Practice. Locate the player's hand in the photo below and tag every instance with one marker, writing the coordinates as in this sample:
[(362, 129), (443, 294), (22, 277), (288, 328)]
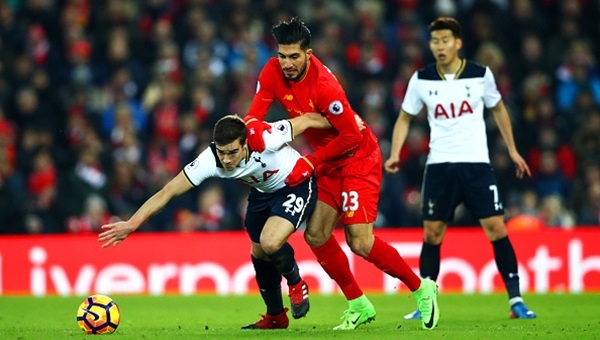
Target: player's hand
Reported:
[(521, 166), (255, 129), (302, 170), (392, 165), (116, 233)]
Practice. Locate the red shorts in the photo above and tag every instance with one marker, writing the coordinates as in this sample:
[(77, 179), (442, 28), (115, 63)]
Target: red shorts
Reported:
[(353, 189)]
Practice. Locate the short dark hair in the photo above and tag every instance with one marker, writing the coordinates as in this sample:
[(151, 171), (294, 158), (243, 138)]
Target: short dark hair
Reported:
[(229, 129), (446, 23), (292, 32)]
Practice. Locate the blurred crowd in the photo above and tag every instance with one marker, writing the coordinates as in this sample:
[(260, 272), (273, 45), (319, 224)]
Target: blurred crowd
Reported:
[(102, 102)]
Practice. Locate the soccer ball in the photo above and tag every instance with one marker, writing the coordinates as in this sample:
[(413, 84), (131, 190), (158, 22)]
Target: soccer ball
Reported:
[(98, 314)]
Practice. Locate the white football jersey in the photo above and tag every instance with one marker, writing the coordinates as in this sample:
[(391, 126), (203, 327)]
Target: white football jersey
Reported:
[(455, 107), (264, 171)]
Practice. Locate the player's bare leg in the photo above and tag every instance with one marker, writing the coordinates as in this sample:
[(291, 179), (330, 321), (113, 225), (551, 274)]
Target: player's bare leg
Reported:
[(275, 234), (434, 231), (320, 225)]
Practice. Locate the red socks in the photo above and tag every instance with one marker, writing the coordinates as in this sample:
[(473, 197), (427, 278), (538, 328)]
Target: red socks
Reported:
[(387, 258), (335, 263)]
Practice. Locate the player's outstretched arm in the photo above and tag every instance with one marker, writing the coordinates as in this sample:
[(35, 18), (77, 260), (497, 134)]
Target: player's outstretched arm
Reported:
[(503, 121), (316, 120), (305, 166), (116, 232), (399, 135)]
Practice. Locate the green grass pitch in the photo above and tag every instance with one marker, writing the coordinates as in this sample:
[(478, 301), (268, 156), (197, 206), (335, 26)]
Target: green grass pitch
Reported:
[(560, 316)]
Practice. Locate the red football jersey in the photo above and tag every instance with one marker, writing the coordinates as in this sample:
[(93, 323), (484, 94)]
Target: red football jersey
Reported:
[(319, 91)]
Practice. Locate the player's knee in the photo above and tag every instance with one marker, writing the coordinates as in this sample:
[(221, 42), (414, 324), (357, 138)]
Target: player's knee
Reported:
[(360, 246), (494, 228), (433, 235), (315, 238), (258, 252), (270, 246), (496, 232)]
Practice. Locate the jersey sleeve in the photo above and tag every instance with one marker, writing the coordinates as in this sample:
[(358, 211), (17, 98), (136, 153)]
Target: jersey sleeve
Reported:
[(201, 168), (412, 103), (334, 105), (281, 133), (264, 94), (491, 95)]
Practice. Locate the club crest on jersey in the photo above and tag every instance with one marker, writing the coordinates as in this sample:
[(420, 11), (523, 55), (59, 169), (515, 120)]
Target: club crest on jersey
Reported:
[(194, 164), (281, 128), (336, 107)]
